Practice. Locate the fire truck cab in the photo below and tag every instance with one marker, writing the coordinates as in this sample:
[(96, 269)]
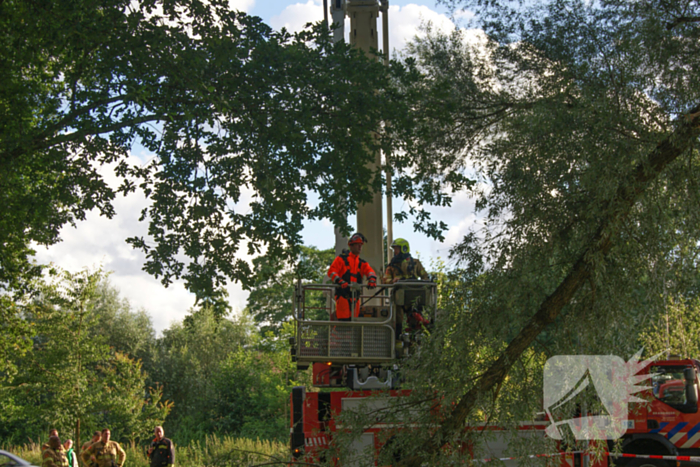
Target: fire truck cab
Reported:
[(668, 424)]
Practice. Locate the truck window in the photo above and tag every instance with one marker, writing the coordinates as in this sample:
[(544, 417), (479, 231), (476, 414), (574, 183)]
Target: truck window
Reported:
[(668, 385)]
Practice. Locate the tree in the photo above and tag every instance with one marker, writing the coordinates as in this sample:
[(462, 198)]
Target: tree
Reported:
[(71, 378), (126, 331), (675, 332), (582, 121), (13, 341), (271, 298), (252, 392), (242, 122), (188, 357)]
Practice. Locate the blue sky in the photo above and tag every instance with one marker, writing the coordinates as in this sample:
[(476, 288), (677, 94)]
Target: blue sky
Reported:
[(100, 242)]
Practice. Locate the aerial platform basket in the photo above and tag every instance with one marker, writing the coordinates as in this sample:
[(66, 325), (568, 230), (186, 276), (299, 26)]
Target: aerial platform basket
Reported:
[(367, 339)]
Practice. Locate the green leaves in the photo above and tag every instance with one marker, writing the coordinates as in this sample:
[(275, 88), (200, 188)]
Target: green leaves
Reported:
[(581, 123), (243, 123), (76, 371), (271, 298), (587, 100)]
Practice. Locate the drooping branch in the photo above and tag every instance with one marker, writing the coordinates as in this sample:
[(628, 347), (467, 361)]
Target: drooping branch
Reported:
[(627, 194), (682, 20)]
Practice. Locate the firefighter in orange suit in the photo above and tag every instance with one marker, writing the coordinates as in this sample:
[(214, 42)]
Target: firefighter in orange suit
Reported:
[(348, 269)]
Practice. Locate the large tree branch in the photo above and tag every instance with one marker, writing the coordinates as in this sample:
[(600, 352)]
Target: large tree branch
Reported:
[(627, 194), (71, 116), (682, 20), (77, 135), (42, 142), (38, 140)]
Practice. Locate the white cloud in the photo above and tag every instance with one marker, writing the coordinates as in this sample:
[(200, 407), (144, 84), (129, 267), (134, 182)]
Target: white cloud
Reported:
[(295, 17), (464, 14), (405, 23), (241, 5), (99, 241)]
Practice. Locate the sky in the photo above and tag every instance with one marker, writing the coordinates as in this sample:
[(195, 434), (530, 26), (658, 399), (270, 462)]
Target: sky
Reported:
[(100, 242)]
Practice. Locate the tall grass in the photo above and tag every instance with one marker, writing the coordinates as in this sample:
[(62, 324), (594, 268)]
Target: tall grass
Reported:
[(215, 451)]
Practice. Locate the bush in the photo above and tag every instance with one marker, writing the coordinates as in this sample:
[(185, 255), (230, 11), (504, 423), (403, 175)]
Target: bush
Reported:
[(214, 452)]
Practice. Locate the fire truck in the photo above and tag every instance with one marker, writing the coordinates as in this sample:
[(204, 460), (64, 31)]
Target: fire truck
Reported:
[(356, 367), (668, 424), (354, 360)]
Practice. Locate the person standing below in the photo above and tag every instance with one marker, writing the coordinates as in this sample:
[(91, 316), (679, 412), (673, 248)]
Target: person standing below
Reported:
[(54, 455), (52, 432), (104, 453), (161, 451), (348, 269), (70, 453), (95, 438)]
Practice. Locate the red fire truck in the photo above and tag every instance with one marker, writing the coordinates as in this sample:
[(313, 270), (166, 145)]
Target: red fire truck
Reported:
[(354, 365), (353, 360)]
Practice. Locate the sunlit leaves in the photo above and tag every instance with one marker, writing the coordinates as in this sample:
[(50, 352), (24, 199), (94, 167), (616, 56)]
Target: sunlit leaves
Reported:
[(249, 132)]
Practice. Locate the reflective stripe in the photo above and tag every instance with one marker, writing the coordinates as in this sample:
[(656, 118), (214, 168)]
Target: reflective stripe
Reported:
[(692, 440), (661, 427), (693, 430), (672, 432)]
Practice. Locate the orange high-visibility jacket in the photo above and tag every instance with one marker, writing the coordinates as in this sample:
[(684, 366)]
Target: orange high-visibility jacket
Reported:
[(350, 268)]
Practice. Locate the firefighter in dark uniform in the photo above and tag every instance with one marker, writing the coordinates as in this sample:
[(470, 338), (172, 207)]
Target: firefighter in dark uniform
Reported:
[(95, 438), (348, 269), (405, 267), (54, 455), (52, 432), (104, 453), (161, 451)]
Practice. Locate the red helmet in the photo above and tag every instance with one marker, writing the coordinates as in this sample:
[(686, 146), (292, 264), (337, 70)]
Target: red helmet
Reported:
[(357, 238)]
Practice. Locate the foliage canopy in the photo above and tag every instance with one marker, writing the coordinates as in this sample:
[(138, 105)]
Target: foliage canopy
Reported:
[(581, 120), (239, 124), (75, 375)]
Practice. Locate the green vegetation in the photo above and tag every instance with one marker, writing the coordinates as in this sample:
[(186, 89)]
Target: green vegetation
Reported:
[(228, 110), (580, 120), (94, 363), (212, 452), (76, 377)]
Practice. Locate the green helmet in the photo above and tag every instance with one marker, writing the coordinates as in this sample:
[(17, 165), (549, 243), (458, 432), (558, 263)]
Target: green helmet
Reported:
[(403, 244)]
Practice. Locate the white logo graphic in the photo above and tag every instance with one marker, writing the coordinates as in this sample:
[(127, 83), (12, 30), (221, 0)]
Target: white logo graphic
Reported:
[(608, 379)]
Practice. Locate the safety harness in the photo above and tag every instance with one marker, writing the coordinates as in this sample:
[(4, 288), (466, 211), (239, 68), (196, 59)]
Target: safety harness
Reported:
[(347, 276)]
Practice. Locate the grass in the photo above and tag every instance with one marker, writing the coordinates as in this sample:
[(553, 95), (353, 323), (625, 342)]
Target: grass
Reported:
[(214, 452)]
